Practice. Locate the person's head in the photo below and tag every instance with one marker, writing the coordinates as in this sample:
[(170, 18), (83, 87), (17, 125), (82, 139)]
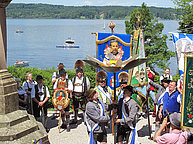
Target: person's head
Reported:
[(60, 93), (60, 66), (128, 91), (91, 94), (79, 72), (172, 86), (114, 44), (123, 79), (167, 71), (175, 120), (62, 74), (29, 76), (165, 82), (148, 69), (39, 80), (101, 78)]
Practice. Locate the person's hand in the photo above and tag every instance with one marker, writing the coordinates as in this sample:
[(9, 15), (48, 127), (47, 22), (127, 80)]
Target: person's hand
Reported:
[(160, 115), (114, 116), (40, 103), (165, 123), (117, 121)]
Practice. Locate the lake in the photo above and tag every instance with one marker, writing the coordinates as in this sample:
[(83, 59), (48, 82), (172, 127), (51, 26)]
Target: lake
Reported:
[(38, 42)]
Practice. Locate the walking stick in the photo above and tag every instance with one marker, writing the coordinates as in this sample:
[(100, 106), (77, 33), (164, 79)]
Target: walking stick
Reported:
[(148, 119), (59, 121), (43, 118)]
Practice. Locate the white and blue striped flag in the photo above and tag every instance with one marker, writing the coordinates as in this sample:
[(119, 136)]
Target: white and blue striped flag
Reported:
[(184, 45)]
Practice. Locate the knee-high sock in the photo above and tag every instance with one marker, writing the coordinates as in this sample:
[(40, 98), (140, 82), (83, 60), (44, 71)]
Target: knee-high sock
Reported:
[(67, 119), (63, 118), (76, 114)]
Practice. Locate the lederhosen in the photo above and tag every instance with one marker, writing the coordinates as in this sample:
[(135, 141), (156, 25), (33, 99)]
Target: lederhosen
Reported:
[(21, 96), (37, 109), (79, 97), (123, 131)]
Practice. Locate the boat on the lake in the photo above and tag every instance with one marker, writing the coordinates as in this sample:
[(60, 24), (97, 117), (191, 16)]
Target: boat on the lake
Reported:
[(21, 63), (18, 31), (69, 43)]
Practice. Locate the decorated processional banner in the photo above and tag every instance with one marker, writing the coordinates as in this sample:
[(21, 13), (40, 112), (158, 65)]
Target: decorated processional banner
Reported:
[(187, 100), (111, 49)]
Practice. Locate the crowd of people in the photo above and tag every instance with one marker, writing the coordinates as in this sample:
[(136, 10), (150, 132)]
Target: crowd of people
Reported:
[(99, 107)]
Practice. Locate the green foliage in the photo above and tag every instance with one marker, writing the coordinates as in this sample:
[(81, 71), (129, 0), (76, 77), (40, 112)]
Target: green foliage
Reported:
[(20, 73), (186, 8), (155, 42), (46, 11)]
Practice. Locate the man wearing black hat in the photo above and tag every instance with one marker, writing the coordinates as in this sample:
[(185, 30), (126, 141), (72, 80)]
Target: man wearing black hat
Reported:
[(40, 96), (63, 82), (127, 110), (80, 84), (123, 80)]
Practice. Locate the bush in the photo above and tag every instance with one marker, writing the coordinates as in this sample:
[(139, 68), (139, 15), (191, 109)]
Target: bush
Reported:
[(20, 72)]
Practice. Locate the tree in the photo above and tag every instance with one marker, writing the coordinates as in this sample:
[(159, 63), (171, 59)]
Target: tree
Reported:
[(186, 8), (155, 43)]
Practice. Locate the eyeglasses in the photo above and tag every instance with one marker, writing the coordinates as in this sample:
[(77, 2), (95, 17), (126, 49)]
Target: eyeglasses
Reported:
[(102, 81)]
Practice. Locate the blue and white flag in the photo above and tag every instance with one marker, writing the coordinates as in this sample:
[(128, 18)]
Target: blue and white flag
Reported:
[(104, 51), (184, 45)]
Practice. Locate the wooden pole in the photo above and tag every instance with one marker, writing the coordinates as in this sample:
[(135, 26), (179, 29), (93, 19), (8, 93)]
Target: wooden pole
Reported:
[(114, 126), (59, 121)]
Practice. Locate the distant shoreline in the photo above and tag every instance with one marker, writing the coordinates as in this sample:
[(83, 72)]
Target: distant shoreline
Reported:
[(47, 11)]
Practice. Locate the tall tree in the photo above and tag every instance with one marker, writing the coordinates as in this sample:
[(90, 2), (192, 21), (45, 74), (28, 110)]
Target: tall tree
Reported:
[(155, 42), (186, 23)]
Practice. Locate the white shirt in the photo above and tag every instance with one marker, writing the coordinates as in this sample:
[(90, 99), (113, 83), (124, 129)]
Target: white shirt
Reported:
[(40, 90), (70, 86), (164, 76), (21, 91), (27, 83), (79, 84), (54, 75)]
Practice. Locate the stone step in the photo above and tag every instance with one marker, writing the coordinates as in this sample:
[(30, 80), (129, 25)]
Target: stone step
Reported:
[(13, 118), (17, 131)]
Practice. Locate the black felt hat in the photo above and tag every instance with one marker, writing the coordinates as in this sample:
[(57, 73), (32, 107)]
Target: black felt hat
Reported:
[(39, 77), (129, 88), (62, 72)]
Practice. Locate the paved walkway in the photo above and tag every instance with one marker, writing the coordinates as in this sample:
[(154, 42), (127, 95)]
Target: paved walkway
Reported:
[(79, 135)]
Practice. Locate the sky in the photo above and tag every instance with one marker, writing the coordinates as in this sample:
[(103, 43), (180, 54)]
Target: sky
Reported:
[(156, 3)]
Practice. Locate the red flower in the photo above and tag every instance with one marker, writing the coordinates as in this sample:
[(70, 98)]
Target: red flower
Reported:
[(190, 116)]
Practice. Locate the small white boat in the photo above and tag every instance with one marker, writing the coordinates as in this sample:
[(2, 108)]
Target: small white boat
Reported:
[(21, 64), (69, 43), (18, 31)]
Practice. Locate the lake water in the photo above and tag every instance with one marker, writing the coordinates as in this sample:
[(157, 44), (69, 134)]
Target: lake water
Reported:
[(38, 42)]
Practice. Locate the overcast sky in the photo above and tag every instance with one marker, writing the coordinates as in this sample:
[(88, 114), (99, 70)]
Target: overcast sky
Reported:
[(157, 3)]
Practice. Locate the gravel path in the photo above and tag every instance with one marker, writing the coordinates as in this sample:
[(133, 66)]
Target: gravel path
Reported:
[(78, 133)]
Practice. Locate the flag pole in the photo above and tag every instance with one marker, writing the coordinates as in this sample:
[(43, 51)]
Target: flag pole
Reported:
[(114, 127)]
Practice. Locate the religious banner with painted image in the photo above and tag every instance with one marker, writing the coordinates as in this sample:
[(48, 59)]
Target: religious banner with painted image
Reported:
[(60, 98), (139, 75), (187, 98), (111, 49)]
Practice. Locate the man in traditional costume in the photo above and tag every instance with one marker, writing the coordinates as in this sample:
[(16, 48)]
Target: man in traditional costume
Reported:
[(127, 110), (96, 118), (104, 91), (27, 86), (63, 82), (123, 80), (80, 84), (40, 95)]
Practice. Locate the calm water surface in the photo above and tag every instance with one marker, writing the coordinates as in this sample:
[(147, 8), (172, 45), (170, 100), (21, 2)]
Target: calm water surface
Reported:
[(38, 42)]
